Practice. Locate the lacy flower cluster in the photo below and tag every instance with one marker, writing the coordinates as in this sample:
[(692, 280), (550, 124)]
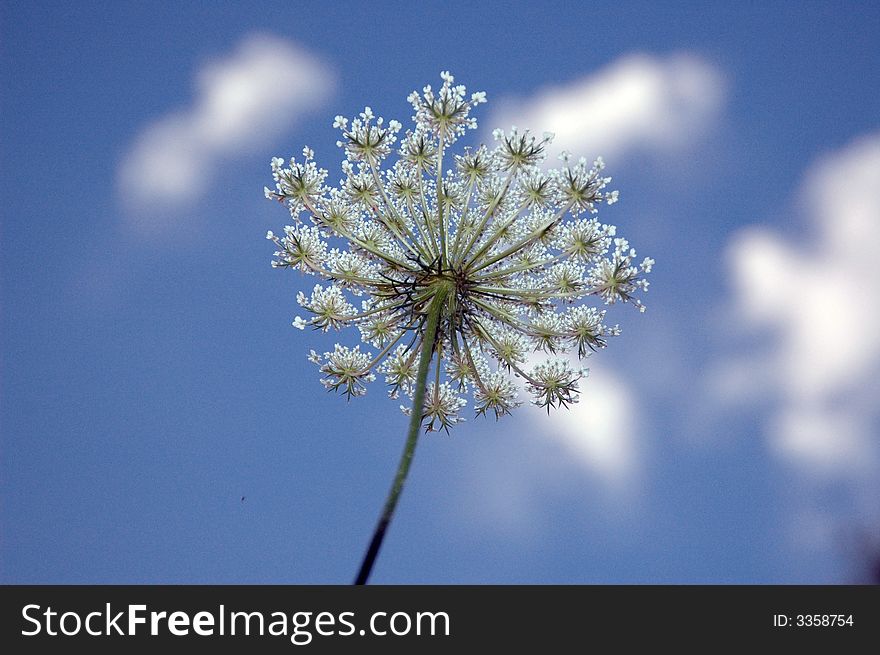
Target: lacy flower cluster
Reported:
[(514, 250)]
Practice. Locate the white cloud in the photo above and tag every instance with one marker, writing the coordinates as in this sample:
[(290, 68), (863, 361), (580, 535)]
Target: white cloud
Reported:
[(637, 102), (242, 101), (818, 296), (590, 454), (599, 433)]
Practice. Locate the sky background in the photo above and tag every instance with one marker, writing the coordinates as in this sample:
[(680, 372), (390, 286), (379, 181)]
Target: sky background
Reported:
[(151, 377)]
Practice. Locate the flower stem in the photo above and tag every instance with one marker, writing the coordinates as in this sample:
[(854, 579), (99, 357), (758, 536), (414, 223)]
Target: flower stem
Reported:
[(415, 425)]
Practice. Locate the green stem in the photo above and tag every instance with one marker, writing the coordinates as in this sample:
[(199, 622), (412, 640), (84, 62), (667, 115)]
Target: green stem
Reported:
[(415, 425)]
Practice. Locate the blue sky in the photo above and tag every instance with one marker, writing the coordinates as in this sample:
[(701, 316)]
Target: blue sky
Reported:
[(151, 378)]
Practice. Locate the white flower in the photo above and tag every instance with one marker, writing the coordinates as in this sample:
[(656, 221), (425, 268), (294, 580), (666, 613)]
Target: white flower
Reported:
[(520, 150), (301, 247), (584, 239), (490, 244), (446, 113), (328, 306), (366, 140), (300, 185), (346, 370), (617, 279), (583, 328), (583, 188), (555, 384), (442, 405), (497, 393), (400, 370)]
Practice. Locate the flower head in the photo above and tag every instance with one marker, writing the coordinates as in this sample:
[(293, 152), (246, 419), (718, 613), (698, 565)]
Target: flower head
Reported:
[(511, 249)]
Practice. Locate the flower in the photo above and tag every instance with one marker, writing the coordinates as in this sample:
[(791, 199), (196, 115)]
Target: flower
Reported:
[(509, 250)]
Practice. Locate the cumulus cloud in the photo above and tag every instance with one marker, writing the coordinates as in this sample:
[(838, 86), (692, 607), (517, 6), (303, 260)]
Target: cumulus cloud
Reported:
[(817, 296), (242, 101), (598, 433), (593, 453), (639, 102)]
